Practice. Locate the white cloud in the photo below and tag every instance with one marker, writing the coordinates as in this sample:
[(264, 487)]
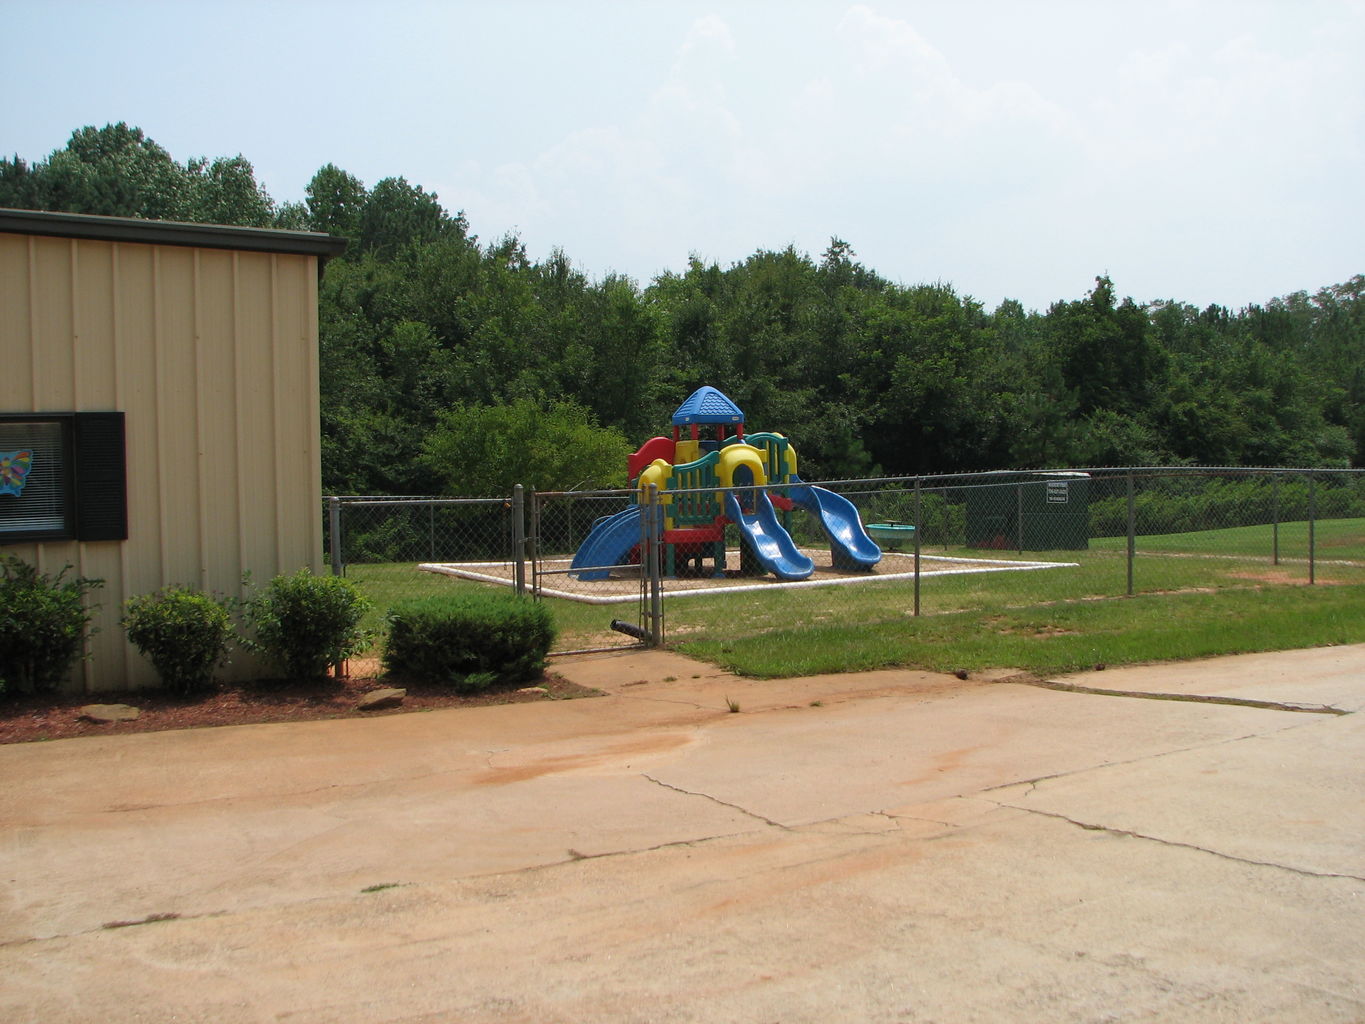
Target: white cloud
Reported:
[(1167, 150)]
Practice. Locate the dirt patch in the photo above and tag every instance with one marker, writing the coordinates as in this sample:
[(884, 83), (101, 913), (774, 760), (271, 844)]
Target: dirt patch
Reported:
[(1271, 576), (26, 718)]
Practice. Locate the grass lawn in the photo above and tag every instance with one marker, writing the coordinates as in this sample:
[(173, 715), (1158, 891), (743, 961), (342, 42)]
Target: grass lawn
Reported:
[(1195, 595), (1052, 638), (1333, 538)]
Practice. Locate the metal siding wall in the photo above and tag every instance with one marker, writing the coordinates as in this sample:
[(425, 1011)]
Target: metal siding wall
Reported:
[(18, 345), (50, 287), (299, 506), (177, 414), (136, 324), (16, 342), (256, 478), (134, 319), (313, 377), (213, 356), (95, 386), (217, 404)]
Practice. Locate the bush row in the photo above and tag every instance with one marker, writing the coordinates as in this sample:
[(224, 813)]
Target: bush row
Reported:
[(303, 624), (1182, 505)]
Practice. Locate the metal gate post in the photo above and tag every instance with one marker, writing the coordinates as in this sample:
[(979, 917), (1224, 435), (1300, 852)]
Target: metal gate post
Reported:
[(533, 545), (1312, 529), (334, 530), (1132, 532), (1019, 516), (1275, 515), (519, 537), (919, 529)]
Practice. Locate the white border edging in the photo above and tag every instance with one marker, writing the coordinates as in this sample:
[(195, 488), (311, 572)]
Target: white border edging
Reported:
[(468, 571)]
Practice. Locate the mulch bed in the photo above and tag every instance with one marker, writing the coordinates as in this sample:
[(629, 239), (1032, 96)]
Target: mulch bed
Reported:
[(25, 718)]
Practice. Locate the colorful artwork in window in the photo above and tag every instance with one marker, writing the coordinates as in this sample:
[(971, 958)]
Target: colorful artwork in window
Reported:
[(14, 467)]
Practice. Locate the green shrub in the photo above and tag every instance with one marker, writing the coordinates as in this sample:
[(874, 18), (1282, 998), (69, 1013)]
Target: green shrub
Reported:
[(469, 641), (305, 624), (44, 622), (184, 633)]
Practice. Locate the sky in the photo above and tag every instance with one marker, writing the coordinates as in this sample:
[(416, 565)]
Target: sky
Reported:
[(1205, 152)]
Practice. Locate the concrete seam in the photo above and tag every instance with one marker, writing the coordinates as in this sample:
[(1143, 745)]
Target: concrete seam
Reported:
[(1191, 698)]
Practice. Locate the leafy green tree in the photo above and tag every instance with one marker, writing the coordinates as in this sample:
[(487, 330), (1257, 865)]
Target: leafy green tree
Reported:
[(335, 201), (19, 186), (398, 214), (117, 171), (1106, 352), (419, 318), (291, 216), (484, 451), (224, 191)]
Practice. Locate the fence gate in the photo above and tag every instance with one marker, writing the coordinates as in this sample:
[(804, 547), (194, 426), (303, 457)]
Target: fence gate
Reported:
[(598, 553)]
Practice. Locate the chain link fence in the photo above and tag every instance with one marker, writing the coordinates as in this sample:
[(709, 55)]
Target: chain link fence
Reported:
[(623, 567)]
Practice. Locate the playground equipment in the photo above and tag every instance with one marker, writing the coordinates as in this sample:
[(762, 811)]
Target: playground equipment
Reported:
[(893, 534), (706, 483)]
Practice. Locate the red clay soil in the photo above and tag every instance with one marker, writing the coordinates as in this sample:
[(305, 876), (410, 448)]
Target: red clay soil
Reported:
[(24, 718)]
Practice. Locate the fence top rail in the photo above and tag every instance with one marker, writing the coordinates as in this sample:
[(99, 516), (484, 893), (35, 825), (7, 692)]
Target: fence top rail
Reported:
[(617, 492), (933, 480), (1013, 475), (380, 502)]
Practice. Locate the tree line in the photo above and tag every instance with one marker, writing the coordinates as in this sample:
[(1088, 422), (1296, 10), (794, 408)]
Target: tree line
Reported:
[(455, 365)]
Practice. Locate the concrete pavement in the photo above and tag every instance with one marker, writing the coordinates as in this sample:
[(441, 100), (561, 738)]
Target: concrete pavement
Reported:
[(889, 846)]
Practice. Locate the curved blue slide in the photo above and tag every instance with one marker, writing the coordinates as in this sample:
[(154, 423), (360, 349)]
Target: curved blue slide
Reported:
[(849, 543), (609, 543), (771, 545)]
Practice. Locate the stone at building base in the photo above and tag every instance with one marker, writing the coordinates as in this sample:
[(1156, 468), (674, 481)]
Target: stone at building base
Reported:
[(109, 712), (378, 700)]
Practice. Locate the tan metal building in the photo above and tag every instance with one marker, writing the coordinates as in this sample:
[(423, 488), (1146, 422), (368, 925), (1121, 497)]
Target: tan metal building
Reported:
[(165, 376)]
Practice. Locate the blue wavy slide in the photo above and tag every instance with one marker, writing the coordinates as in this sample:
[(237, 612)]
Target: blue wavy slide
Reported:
[(849, 543), (608, 543), (772, 545)]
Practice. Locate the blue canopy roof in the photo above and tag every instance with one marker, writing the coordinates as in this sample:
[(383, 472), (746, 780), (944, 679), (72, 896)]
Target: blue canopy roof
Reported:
[(707, 405)]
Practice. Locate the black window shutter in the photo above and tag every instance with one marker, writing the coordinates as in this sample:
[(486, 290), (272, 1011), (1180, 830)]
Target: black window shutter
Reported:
[(100, 477)]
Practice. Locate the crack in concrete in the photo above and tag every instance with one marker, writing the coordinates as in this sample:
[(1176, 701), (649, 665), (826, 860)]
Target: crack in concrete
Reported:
[(574, 857), (161, 918), (1130, 834), (1155, 756), (1192, 698), (665, 700), (716, 800)]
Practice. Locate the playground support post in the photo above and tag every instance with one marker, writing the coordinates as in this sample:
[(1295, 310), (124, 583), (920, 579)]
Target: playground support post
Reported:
[(656, 586), (519, 537)]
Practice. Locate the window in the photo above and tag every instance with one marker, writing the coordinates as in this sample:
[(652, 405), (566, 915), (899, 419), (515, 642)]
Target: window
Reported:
[(62, 477)]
